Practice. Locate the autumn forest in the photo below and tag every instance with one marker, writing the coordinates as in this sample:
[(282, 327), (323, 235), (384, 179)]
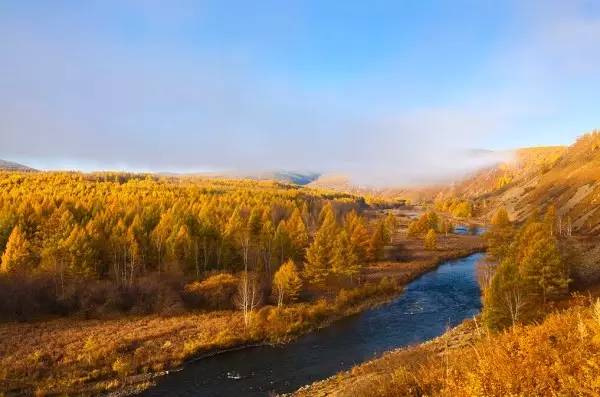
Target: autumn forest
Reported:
[(101, 233), (301, 199)]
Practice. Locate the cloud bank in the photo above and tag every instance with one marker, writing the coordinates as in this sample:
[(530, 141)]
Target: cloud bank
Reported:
[(76, 96)]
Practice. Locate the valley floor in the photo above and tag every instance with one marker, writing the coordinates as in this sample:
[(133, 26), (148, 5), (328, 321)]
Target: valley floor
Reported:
[(78, 356), (558, 356)]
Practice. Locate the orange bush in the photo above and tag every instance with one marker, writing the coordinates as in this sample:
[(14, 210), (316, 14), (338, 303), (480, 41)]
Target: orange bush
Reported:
[(216, 292)]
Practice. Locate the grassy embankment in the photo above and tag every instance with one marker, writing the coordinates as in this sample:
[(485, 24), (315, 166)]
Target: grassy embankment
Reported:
[(560, 356), (92, 356)]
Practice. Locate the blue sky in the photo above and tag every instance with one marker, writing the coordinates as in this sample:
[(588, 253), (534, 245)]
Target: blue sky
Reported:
[(389, 91)]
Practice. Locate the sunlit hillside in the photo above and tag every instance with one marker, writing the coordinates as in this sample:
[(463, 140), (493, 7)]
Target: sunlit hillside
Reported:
[(524, 165), (566, 177)]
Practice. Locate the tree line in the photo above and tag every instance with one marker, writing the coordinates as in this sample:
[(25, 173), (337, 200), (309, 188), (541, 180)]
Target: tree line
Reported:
[(122, 227), (524, 272)]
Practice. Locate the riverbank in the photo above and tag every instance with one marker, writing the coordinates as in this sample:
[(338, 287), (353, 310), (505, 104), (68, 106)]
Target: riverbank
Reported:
[(366, 378), (558, 356), (427, 307), (98, 356)]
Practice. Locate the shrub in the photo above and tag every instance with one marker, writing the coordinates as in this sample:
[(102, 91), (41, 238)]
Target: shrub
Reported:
[(121, 366), (26, 297), (463, 209), (346, 298), (216, 292), (420, 226)]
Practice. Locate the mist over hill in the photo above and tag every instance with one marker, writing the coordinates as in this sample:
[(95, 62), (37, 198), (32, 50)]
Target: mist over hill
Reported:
[(566, 177), (12, 166), (524, 181)]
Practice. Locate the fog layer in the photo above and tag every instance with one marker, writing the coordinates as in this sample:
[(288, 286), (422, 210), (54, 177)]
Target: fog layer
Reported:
[(81, 88)]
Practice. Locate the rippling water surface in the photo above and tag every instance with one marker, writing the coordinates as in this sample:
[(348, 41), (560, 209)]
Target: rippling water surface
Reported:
[(429, 305)]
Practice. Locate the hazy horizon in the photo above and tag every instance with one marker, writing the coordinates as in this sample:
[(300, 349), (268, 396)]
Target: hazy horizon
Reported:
[(386, 93)]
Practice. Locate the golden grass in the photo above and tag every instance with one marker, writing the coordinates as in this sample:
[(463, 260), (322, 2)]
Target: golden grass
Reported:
[(69, 355), (560, 357), (92, 356)]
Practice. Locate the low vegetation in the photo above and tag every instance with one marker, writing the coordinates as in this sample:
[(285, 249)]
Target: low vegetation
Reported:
[(560, 356), (532, 338), (91, 356)]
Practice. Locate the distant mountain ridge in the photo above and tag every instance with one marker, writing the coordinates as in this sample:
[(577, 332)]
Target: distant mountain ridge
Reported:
[(299, 178), (295, 177), (12, 166), (567, 177)]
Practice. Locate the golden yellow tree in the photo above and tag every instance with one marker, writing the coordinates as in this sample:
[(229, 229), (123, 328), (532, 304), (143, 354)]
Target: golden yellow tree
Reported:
[(499, 236), (318, 255), (287, 283), (298, 233), (18, 255), (358, 234), (543, 268), (420, 226), (430, 240), (391, 223), (345, 260), (505, 300), (379, 239)]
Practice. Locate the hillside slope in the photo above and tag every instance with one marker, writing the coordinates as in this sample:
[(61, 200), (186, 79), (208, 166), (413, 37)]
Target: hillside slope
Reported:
[(566, 177), (523, 166), (12, 166), (526, 164), (373, 194)]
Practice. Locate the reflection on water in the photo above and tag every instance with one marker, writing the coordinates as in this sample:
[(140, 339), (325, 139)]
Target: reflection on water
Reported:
[(437, 300), (464, 230)]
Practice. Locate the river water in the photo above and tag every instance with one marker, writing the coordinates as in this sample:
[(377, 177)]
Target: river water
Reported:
[(428, 306)]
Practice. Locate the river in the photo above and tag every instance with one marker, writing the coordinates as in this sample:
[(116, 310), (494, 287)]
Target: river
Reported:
[(428, 306)]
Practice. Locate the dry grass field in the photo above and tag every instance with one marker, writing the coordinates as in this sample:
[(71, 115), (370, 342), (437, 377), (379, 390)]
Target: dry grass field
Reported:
[(407, 258), (68, 355), (91, 356)]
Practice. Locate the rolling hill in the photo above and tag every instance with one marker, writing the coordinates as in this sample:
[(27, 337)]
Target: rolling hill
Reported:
[(12, 166), (566, 177)]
